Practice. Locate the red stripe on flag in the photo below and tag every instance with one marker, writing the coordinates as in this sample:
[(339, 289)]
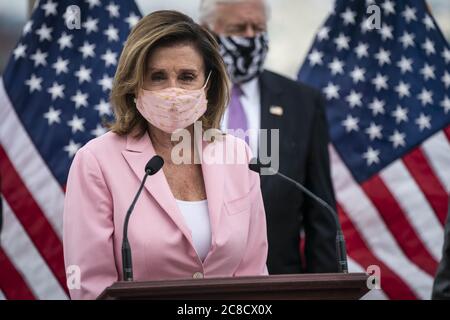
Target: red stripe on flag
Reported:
[(11, 281), (32, 219), (398, 224), (423, 174), (447, 132), (391, 284)]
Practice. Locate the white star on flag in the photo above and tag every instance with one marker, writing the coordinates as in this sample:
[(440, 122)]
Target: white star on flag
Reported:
[(90, 25), (53, 116), (57, 90), (61, 66), (351, 124), (34, 83), (372, 156), (80, 99), (331, 91)]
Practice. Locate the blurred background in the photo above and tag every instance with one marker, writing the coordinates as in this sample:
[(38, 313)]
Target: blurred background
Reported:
[(292, 26)]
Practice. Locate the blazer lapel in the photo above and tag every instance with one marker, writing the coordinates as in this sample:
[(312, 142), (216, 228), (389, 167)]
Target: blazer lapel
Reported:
[(213, 177), (138, 152)]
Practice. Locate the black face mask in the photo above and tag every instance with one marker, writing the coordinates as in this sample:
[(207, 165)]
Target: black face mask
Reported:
[(244, 56)]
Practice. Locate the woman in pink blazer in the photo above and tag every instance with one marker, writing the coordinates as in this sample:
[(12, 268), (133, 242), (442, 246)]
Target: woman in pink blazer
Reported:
[(194, 219)]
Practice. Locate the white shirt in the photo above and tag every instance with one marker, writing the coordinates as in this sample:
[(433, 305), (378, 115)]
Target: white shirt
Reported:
[(251, 102), (196, 216)]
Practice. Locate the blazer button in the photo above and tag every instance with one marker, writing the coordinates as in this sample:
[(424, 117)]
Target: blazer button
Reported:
[(198, 275)]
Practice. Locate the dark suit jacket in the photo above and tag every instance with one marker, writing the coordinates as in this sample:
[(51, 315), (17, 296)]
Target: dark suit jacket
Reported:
[(441, 287), (304, 157)]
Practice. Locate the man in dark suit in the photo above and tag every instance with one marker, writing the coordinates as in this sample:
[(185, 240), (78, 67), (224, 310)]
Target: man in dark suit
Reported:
[(441, 287), (265, 100)]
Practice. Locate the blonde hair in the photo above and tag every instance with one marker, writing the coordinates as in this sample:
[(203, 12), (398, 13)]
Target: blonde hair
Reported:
[(165, 28)]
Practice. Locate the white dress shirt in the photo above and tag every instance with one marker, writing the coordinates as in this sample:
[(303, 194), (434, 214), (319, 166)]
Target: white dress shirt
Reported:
[(251, 102), (196, 216)]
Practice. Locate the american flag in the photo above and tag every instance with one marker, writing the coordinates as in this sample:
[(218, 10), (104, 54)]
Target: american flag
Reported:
[(53, 99), (388, 106)]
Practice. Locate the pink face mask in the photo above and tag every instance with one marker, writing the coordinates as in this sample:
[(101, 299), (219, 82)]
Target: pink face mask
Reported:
[(171, 109)]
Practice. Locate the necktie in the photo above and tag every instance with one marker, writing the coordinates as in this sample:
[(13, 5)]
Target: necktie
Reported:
[(236, 115)]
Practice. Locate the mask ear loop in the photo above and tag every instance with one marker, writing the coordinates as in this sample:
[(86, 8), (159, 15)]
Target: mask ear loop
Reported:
[(207, 79)]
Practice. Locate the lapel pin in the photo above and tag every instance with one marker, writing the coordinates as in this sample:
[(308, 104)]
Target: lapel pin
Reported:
[(276, 110)]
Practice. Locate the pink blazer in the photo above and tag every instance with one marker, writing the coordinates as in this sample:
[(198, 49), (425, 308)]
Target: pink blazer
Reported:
[(103, 179)]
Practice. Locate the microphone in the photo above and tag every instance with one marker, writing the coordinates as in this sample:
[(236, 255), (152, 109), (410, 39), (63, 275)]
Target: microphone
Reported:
[(256, 166), (152, 167)]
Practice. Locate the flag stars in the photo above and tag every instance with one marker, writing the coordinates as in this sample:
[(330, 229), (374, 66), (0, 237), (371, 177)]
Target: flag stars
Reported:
[(407, 40), (110, 58), (424, 122), (446, 79), (446, 55), (405, 64), (358, 74), (336, 67), (90, 25), (27, 27), (132, 20), (351, 124), (426, 97), (366, 25), (105, 83), (39, 58), (377, 107), (380, 82), (113, 10), (103, 108), (34, 83), (98, 131), (428, 46), (44, 33), (19, 51), (50, 8), (388, 7), (77, 124), (93, 3), (80, 99), (354, 99), (386, 32), (53, 116), (65, 41), (383, 57), (372, 156), (428, 22), (56, 90), (428, 72), (331, 91), (398, 139), (374, 131), (60, 66), (446, 104), (112, 33), (403, 89), (72, 148), (83, 74), (323, 33), (362, 50), (409, 14), (400, 114), (342, 42), (87, 50), (348, 17), (315, 58)]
